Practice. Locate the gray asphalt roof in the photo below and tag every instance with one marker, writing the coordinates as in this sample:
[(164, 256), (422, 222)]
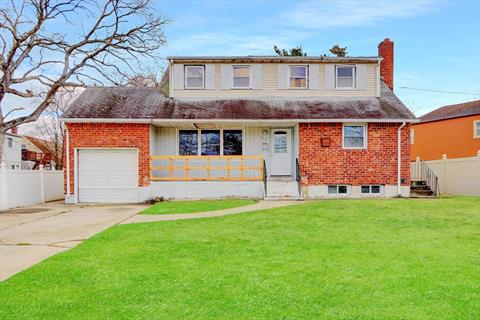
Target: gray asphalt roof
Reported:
[(274, 58), (453, 111), (150, 103)]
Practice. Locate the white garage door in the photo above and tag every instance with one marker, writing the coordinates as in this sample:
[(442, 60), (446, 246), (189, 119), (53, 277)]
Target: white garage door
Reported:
[(107, 175)]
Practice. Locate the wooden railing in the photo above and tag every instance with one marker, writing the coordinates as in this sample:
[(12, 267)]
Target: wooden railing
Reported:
[(207, 168)]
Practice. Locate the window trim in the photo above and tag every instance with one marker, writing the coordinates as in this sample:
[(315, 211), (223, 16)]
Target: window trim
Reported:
[(365, 135), (199, 141), (337, 186), (289, 76), (249, 77), (354, 76), (185, 84), (475, 124), (381, 189)]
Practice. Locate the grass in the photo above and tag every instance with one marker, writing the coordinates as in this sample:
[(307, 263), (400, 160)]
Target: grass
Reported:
[(170, 207), (338, 259)]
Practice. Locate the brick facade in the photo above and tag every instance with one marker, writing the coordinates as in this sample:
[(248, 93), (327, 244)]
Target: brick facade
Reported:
[(111, 135), (385, 50), (334, 165)]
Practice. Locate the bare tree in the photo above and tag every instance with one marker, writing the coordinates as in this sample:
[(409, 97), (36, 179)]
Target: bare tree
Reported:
[(103, 42), (49, 126)]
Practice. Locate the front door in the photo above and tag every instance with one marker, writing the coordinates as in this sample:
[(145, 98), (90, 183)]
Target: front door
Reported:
[(281, 162)]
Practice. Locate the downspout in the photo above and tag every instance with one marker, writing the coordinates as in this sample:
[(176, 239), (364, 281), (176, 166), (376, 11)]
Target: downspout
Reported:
[(67, 155), (399, 158)]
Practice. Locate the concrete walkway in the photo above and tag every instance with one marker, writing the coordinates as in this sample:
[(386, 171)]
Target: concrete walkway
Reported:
[(32, 234), (261, 205)]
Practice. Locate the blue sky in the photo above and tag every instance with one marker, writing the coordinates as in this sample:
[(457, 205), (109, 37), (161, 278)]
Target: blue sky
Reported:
[(437, 43)]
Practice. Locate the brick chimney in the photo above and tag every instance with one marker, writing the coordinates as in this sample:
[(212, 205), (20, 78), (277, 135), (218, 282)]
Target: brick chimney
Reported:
[(385, 50), (14, 130)]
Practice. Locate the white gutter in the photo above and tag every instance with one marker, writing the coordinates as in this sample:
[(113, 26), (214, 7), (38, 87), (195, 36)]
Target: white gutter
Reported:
[(399, 158), (159, 121), (67, 146)]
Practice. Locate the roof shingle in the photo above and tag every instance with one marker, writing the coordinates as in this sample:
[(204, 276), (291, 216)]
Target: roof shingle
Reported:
[(149, 103), (453, 111)]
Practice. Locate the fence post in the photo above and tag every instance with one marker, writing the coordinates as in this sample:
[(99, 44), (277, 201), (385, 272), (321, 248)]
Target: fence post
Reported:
[(3, 186), (41, 171), (478, 173), (444, 173)]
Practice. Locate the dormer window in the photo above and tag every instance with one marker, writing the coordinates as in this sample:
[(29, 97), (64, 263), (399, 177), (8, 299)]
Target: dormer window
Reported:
[(241, 77), (345, 77), (194, 77), (298, 77)]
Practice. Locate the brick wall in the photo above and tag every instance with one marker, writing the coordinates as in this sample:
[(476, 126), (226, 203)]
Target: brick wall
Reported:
[(334, 165), (385, 50), (105, 135)]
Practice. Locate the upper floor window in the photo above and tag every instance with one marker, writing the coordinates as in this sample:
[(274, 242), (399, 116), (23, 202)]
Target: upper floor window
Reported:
[(194, 77), (476, 129), (345, 77), (241, 77), (298, 77), (355, 136), (10, 142)]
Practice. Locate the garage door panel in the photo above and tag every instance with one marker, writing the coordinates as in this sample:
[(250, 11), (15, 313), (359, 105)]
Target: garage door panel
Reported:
[(108, 175)]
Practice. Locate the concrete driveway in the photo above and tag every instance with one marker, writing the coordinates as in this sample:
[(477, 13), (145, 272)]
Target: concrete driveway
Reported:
[(31, 234)]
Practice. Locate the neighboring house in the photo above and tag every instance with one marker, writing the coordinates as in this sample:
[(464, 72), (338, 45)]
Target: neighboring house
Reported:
[(247, 126), (12, 150), (38, 152), (452, 130)]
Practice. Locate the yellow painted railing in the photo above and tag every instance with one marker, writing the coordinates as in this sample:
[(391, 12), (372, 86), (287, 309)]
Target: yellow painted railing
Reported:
[(198, 168)]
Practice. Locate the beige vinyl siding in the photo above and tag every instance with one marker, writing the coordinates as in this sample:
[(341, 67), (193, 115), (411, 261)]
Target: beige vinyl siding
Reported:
[(269, 86)]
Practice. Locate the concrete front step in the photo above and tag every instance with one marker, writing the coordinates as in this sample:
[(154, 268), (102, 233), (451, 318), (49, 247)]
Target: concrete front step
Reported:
[(282, 189)]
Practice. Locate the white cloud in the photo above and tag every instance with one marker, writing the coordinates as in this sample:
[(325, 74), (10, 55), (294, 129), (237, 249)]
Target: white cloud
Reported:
[(325, 14)]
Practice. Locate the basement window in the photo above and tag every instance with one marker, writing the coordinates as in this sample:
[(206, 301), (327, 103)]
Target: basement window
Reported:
[(345, 77), (194, 77), (338, 189), (371, 189)]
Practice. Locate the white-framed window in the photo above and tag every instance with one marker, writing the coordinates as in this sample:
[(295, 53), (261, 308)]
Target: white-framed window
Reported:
[(10, 142), (195, 77), (354, 136), (371, 189), (344, 77), (412, 136), (338, 189), (476, 129), (241, 77), (298, 77), (210, 142)]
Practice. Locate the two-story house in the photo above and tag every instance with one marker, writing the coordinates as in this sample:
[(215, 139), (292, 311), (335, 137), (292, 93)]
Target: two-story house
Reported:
[(243, 126)]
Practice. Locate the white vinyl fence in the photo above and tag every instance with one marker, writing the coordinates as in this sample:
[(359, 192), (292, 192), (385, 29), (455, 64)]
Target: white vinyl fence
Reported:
[(28, 187), (460, 176)]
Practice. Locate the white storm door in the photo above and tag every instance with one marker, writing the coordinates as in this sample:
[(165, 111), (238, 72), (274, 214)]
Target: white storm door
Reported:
[(281, 161)]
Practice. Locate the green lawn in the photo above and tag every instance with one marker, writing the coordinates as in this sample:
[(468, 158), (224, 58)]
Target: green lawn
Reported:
[(169, 207), (337, 259)]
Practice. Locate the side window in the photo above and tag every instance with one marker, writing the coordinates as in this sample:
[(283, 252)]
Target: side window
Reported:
[(476, 129), (412, 136), (188, 142), (345, 77), (232, 142), (10, 142), (194, 77), (298, 78), (241, 77), (354, 136)]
